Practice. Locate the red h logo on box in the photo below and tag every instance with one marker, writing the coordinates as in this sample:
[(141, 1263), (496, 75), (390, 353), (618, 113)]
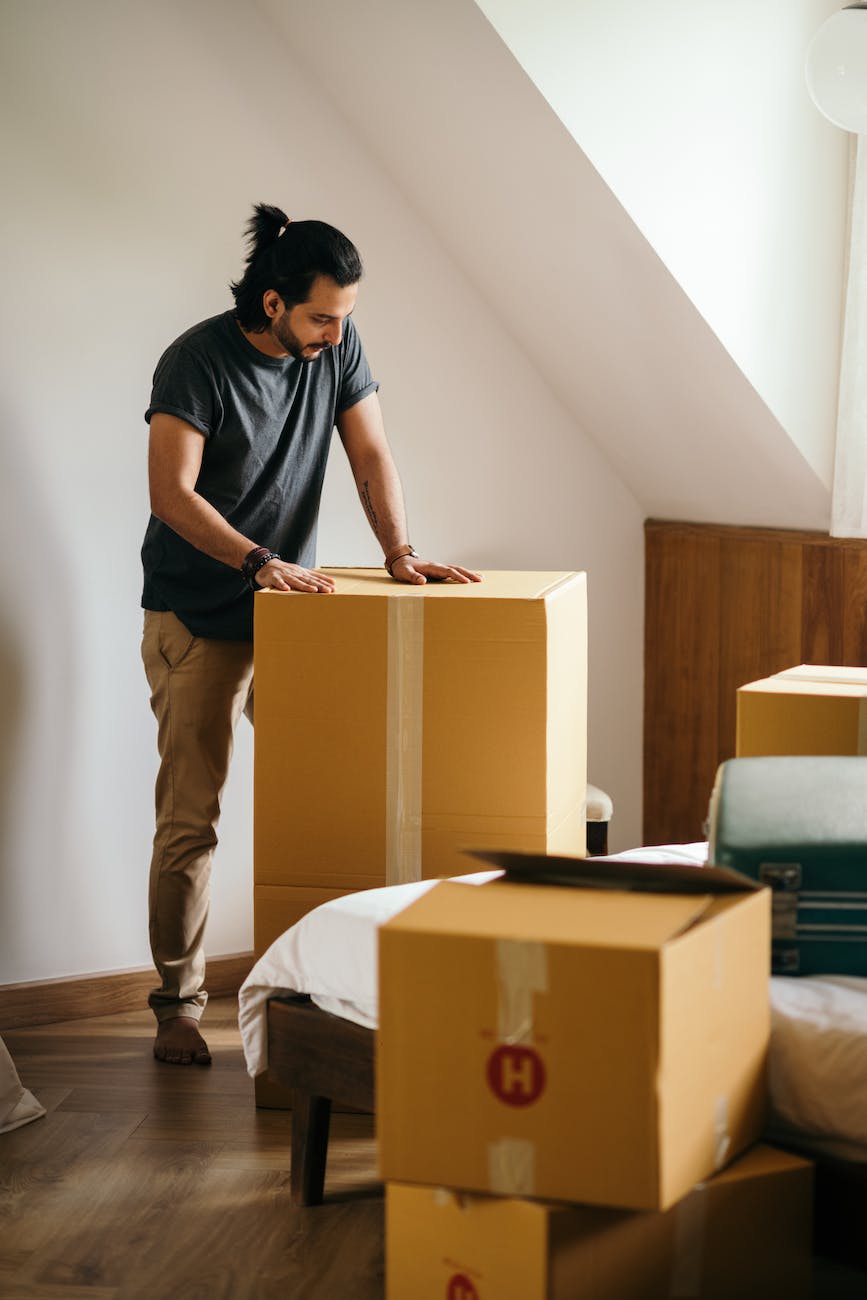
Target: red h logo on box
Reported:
[(516, 1075), (461, 1288)]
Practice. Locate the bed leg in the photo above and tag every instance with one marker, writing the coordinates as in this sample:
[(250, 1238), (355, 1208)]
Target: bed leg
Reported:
[(310, 1121)]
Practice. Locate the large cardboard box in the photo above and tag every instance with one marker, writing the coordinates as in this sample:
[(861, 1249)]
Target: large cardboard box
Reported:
[(396, 725), (277, 907), (580, 1044), (811, 709), (744, 1235)]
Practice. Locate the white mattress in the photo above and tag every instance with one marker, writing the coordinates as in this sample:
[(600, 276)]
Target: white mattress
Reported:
[(818, 1058)]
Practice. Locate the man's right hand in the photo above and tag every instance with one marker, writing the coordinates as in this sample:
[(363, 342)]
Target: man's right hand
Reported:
[(280, 576)]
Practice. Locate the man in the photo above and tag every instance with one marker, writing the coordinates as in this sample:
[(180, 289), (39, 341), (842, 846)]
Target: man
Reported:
[(241, 416)]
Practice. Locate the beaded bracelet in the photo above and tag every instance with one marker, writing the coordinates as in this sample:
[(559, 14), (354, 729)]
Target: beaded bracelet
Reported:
[(254, 561)]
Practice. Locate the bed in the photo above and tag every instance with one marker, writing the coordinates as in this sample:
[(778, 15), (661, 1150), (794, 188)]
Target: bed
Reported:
[(308, 1015)]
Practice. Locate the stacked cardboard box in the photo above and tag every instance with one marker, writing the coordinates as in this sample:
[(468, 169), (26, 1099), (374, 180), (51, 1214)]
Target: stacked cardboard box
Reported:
[(597, 1046), (398, 725), (811, 709), (743, 1235)]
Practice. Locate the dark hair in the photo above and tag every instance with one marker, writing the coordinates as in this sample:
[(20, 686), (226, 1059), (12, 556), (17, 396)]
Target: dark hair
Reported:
[(288, 256)]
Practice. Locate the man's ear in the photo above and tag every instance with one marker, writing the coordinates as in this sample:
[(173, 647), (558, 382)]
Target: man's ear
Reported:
[(271, 303)]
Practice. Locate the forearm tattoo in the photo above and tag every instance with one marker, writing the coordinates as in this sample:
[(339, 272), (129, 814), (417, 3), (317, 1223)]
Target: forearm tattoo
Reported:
[(368, 505)]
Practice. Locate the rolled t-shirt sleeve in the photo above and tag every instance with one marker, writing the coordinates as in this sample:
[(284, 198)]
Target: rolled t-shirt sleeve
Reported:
[(184, 386), (356, 381)]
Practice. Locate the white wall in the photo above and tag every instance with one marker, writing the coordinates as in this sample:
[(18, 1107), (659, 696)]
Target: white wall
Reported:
[(134, 140), (439, 100), (698, 117)]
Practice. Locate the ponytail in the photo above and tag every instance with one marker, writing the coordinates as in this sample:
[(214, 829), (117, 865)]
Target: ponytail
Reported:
[(288, 256), (263, 230)]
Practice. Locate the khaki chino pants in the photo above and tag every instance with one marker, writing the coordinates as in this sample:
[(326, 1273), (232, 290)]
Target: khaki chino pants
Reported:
[(199, 688)]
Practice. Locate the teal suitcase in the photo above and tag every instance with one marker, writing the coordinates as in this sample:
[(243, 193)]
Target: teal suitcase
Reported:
[(799, 824)]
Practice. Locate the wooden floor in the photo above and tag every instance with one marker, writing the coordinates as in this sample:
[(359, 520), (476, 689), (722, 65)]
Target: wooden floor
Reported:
[(148, 1180)]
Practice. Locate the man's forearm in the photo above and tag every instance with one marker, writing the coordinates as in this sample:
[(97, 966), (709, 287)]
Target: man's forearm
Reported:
[(196, 520), (375, 473), (381, 496)]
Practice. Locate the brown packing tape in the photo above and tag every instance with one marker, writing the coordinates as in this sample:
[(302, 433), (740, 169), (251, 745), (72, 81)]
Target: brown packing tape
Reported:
[(512, 1167), (404, 729), (522, 972)]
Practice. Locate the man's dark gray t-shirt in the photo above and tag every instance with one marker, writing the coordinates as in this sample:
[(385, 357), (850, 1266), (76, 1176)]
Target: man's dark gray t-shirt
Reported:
[(268, 423)]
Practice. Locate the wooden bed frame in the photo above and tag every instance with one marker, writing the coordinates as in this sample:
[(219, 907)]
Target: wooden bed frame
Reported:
[(324, 1060)]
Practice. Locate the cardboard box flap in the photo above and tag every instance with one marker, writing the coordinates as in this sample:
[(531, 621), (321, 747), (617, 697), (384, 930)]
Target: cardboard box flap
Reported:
[(762, 1161), (811, 679), (826, 673), (636, 877), (597, 918)]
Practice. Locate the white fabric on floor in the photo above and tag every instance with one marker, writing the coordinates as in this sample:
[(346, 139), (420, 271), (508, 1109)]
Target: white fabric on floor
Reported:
[(17, 1105)]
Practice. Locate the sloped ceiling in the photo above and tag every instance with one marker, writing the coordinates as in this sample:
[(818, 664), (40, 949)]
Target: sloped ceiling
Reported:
[(435, 94)]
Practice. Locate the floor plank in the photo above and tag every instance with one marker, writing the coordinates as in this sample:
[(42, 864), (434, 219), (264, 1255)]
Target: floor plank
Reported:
[(148, 1180), (48, 1171), (18, 1290)]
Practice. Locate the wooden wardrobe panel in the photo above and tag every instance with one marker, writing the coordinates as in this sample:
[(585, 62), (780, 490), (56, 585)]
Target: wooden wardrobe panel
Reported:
[(824, 600), (681, 672), (724, 606), (854, 620), (760, 618)]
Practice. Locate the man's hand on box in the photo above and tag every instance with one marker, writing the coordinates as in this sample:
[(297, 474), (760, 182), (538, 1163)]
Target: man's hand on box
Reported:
[(409, 568), (280, 576)]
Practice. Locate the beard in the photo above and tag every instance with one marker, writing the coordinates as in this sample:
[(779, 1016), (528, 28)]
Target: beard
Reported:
[(288, 339)]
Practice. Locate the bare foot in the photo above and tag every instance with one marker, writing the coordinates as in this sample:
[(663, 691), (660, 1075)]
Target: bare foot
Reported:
[(179, 1042)]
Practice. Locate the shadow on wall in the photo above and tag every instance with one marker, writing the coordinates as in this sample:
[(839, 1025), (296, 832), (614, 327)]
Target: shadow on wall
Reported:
[(37, 700)]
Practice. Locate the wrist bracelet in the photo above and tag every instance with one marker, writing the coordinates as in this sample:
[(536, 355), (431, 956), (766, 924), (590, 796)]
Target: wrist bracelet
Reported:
[(255, 560), (397, 554)]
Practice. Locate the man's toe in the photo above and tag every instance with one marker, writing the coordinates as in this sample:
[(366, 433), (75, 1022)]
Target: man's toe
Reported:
[(181, 1045)]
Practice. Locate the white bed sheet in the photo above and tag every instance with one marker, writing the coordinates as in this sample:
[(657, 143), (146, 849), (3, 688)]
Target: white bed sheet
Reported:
[(331, 953), (818, 1056)]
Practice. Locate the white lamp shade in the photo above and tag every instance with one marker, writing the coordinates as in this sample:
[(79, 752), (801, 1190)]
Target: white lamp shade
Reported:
[(837, 69)]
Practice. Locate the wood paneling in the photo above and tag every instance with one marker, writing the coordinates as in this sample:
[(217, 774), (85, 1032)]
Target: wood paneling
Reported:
[(43, 1002), (855, 606), (680, 699), (725, 606)]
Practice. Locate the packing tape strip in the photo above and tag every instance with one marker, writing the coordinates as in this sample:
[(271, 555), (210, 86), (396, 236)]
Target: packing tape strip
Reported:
[(404, 739), (522, 972), (721, 1136), (690, 1226), (448, 1198), (512, 1167)]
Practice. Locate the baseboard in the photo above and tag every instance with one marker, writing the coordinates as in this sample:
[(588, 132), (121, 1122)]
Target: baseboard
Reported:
[(78, 997)]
